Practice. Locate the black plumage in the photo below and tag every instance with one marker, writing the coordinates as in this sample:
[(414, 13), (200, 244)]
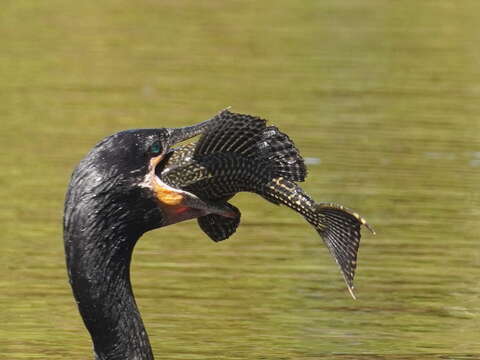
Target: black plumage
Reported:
[(111, 201)]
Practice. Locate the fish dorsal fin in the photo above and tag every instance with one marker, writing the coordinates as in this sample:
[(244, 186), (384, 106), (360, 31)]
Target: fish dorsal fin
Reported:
[(249, 136), (277, 148), (231, 132)]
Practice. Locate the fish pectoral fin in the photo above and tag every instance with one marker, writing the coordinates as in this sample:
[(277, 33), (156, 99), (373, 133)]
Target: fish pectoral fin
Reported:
[(219, 227)]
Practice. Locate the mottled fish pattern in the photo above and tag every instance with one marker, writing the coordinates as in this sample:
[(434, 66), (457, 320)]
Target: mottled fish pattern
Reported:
[(240, 152)]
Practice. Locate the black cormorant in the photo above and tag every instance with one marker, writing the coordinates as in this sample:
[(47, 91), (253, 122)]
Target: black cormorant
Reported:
[(118, 192)]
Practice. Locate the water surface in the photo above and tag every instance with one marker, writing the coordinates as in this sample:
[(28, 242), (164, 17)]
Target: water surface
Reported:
[(382, 96)]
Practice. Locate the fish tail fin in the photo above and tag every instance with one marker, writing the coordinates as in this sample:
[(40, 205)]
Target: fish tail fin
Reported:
[(339, 228)]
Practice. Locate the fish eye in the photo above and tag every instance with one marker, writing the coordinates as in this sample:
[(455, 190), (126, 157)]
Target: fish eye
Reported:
[(155, 148)]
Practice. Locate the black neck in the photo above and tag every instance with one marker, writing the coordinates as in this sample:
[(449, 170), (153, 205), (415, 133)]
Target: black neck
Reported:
[(99, 271)]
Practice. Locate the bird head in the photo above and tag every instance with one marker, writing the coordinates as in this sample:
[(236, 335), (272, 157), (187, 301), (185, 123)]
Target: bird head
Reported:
[(117, 183)]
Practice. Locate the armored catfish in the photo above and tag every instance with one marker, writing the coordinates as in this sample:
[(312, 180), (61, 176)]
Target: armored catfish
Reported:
[(238, 152)]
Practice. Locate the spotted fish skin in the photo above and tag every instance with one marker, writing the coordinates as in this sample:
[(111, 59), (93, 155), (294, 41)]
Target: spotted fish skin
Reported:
[(217, 176), (240, 153), (338, 226), (237, 153)]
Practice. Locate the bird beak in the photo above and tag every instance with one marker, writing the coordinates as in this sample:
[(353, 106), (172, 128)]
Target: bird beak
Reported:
[(176, 204), (177, 135), (165, 193)]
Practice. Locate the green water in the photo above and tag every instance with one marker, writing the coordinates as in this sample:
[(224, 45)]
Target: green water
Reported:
[(383, 95)]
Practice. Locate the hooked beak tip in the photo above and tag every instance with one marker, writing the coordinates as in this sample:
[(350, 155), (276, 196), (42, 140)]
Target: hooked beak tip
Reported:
[(176, 135)]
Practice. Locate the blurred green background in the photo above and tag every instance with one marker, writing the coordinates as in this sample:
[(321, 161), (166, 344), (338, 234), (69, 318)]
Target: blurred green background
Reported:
[(382, 96)]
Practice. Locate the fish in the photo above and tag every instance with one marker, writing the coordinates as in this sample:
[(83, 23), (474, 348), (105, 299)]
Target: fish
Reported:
[(240, 153)]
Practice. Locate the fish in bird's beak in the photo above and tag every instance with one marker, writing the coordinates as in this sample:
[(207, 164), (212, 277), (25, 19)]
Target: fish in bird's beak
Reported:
[(178, 205)]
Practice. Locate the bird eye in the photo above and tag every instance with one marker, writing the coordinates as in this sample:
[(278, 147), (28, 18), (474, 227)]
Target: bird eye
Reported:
[(155, 148)]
